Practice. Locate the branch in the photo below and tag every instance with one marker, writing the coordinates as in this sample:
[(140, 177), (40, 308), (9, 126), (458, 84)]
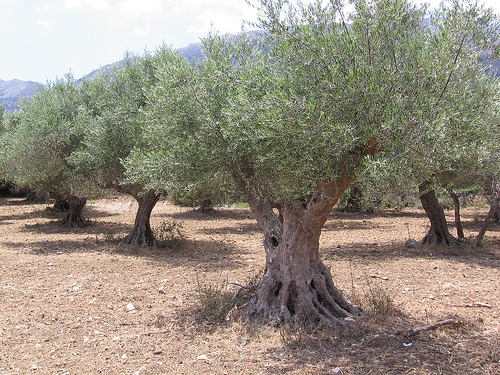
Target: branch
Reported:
[(441, 323)]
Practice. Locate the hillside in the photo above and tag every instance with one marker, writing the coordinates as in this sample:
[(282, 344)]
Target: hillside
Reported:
[(12, 91)]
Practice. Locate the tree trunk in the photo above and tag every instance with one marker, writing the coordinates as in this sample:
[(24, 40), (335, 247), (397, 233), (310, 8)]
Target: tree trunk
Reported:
[(74, 217), (206, 206), (141, 233), (297, 287), (456, 205), (493, 214), (61, 204), (438, 233)]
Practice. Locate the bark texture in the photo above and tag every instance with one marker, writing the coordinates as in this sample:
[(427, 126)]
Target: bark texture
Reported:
[(74, 216), (297, 286), (438, 233), (61, 204), (141, 233)]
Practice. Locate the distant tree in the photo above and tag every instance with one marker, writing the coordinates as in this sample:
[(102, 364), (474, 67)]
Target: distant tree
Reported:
[(293, 128), (42, 136), (116, 140)]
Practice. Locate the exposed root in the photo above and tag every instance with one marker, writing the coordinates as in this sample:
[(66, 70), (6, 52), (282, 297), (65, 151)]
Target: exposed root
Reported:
[(316, 301), (443, 240), (139, 238)]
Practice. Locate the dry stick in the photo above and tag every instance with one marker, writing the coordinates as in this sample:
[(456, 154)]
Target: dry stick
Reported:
[(415, 331)]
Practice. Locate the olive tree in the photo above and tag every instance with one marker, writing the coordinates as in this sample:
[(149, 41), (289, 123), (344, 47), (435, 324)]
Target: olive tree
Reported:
[(291, 121), (116, 143), (46, 131)]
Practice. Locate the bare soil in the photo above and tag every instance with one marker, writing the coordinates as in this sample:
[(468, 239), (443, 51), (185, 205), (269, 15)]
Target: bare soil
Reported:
[(75, 301)]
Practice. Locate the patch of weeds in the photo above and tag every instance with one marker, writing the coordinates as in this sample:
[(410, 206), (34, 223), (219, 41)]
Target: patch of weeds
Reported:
[(374, 300), (169, 234), (218, 302), (215, 298)]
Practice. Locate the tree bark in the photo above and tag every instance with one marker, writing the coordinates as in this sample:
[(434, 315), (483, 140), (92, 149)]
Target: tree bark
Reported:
[(61, 204), (492, 216), (458, 221), (74, 217), (297, 286), (438, 233), (141, 233)]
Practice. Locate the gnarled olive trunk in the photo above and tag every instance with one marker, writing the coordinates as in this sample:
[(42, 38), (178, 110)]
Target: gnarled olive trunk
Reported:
[(438, 233), (141, 233), (297, 287), (74, 217)]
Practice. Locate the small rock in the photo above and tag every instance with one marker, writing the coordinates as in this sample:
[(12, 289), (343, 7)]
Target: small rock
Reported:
[(130, 308), (157, 351), (202, 357), (337, 370)]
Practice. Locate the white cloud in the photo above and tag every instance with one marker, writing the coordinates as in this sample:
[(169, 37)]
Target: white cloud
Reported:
[(87, 4), (142, 31), (133, 8), (45, 24)]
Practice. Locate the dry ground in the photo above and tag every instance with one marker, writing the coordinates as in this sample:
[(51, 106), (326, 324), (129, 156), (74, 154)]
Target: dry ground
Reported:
[(64, 295)]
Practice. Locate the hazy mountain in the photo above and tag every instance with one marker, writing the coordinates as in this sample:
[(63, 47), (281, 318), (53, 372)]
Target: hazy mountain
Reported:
[(12, 91)]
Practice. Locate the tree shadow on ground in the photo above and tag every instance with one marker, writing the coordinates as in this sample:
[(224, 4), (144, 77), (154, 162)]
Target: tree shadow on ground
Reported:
[(199, 254), (219, 214), (487, 256), (367, 348)]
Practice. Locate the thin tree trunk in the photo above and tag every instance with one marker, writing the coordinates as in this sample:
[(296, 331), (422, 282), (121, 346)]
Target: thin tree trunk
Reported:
[(74, 217), (438, 233), (141, 233), (458, 221), (493, 214)]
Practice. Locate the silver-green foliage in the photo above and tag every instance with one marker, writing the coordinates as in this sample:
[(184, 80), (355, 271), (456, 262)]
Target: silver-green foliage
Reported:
[(43, 135), (298, 106)]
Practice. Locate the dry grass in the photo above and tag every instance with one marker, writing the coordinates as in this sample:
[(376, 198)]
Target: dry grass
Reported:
[(65, 294)]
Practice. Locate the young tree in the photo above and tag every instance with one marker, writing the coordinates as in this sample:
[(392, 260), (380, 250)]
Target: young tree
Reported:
[(293, 127), (47, 130)]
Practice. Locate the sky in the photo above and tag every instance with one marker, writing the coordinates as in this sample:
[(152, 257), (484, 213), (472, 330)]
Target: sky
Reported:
[(42, 40)]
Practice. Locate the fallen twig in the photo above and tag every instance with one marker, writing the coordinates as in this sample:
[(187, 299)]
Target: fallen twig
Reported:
[(478, 304), (441, 323), (379, 277), (153, 333)]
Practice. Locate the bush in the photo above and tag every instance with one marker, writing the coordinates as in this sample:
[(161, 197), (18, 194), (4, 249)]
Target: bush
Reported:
[(169, 233)]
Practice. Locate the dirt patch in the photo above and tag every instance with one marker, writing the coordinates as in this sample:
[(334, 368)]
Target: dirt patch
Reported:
[(73, 301)]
